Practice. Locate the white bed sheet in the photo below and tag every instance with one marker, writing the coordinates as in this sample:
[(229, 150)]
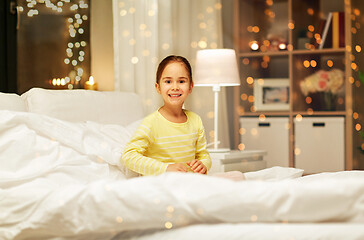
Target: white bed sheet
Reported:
[(65, 181), (254, 231)]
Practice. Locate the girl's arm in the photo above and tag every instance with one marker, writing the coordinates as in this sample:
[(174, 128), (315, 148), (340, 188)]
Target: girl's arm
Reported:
[(201, 151), (133, 156)]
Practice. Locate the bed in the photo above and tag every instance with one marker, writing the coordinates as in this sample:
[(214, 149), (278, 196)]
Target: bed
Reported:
[(61, 178)]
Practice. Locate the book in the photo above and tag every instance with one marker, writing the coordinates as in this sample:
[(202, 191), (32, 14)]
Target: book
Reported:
[(319, 31), (338, 29), (335, 30), (341, 29), (325, 33)]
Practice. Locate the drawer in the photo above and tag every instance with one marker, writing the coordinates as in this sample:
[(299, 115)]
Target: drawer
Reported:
[(272, 135), (319, 144)]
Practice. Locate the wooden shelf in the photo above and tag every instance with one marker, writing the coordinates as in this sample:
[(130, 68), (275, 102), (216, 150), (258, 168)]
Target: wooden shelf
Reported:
[(261, 54), (292, 64), (319, 51), (320, 113), (257, 114)]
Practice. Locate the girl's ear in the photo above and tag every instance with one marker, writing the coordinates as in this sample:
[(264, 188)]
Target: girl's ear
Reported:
[(158, 88), (191, 87)]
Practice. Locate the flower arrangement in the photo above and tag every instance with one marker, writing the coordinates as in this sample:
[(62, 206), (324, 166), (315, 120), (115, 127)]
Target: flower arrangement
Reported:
[(323, 81)]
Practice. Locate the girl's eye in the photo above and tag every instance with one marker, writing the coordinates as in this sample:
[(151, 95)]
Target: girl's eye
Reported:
[(182, 81), (168, 81)]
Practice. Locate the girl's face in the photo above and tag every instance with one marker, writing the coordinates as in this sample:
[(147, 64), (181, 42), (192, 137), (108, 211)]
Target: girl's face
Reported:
[(174, 84)]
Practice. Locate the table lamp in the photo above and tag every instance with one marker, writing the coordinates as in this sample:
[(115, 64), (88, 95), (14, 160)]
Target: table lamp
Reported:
[(216, 68)]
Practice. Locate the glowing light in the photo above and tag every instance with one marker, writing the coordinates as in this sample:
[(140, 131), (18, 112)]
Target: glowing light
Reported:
[(241, 146), (291, 25), (299, 117), (132, 10), (260, 81), (262, 117), (256, 29), (218, 6), (134, 60), (123, 13), (251, 98), (358, 48), (297, 151), (254, 218), (308, 100), (306, 63), (330, 63), (313, 63), (202, 44), (310, 11), (254, 131), (244, 97), (119, 219), (170, 209), (282, 46), (311, 28), (357, 127), (165, 46), (355, 115), (209, 10), (254, 45), (242, 131), (246, 61)]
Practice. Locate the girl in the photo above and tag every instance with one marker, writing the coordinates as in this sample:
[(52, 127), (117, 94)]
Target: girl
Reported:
[(171, 139)]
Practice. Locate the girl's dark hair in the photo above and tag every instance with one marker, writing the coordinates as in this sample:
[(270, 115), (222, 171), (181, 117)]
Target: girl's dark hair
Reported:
[(171, 59)]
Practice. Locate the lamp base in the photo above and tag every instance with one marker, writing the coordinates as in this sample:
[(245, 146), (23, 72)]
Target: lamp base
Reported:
[(218, 150)]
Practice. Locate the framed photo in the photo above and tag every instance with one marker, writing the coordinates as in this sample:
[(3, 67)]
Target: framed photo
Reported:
[(271, 94)]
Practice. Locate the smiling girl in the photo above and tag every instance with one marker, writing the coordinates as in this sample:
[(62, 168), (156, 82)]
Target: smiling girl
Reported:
[(171, 138)]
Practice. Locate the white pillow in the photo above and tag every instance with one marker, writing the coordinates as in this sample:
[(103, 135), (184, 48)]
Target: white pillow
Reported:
[(12, 102), (274, 174), (119, 108)]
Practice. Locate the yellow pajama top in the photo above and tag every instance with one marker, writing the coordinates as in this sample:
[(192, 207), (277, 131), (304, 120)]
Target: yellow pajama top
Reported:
[(158, 142)]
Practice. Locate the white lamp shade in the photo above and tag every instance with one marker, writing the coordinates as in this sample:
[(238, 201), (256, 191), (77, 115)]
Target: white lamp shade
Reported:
[(216, 67)]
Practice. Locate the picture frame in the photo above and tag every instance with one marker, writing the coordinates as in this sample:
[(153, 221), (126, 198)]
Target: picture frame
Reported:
[(271, 94)]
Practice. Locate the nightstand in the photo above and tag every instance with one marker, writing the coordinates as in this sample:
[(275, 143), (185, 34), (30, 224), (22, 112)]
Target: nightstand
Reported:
[(235, 160)]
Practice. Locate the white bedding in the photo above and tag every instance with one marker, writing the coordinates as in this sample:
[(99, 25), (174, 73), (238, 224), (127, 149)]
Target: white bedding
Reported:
[(65, 179)]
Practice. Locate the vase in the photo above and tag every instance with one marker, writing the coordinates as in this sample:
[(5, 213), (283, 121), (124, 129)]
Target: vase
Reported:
[(323, 101)]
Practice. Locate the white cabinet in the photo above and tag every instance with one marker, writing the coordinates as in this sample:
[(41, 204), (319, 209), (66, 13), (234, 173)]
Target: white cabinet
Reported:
[(235, 160), (319, 144), (270, 134)]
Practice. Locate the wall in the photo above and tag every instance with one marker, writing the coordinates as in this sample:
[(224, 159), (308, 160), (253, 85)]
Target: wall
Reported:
[(228, 42), (101, 40)]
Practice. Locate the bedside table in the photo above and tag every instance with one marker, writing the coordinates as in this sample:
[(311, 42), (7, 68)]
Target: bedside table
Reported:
[(235, 160)]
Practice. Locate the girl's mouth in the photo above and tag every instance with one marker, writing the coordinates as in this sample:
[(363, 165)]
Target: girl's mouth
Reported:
[(174, 95)]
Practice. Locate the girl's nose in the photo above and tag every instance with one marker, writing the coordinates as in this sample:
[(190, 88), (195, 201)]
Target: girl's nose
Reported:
[(175, 86)]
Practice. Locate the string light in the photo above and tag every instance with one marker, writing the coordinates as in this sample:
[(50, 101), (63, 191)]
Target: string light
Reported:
[(73, 57)]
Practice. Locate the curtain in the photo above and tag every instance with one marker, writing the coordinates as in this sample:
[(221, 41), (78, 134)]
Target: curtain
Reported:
[(146, 31)]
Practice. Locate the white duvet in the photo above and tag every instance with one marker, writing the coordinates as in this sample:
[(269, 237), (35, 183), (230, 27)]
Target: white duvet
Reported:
[(65, 180)]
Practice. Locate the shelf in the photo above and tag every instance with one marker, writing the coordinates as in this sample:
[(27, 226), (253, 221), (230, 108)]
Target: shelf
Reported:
[(299, 24), (302, 113), (320, 113), (261, 54), (257, 114), (294, 52), (319, 51)]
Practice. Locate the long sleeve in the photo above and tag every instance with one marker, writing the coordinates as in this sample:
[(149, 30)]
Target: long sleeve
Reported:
[(134, 154), (201, 152)]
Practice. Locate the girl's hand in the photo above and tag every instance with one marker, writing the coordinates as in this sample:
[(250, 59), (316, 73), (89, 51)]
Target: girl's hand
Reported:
[(177, 167), (197, 166)]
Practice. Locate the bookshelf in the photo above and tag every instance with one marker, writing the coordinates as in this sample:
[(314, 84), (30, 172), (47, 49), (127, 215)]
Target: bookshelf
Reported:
[(289, 48)]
